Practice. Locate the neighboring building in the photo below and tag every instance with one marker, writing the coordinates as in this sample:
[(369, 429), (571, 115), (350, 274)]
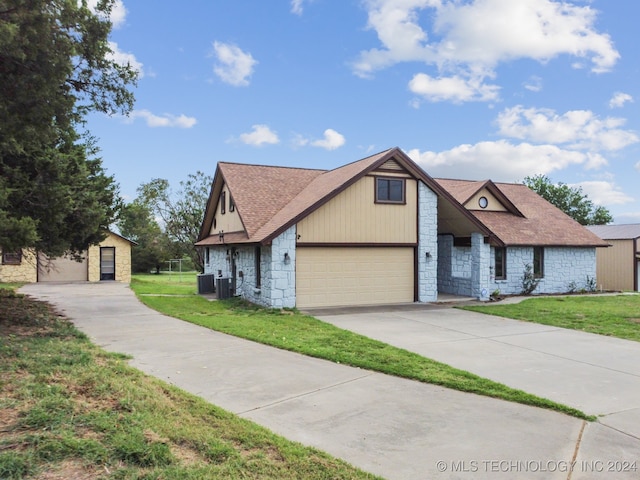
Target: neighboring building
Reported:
[(382, 231), (618, 267), (110, 260)]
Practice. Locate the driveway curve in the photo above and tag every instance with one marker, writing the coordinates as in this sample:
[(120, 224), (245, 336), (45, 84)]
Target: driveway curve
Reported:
[(392, 427)]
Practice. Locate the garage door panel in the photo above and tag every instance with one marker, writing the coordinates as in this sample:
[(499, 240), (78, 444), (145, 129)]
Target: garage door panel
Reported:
[(354, 276), (62, 269)]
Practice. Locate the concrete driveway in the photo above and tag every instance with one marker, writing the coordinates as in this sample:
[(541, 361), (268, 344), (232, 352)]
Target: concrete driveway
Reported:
[(395, 428), (596, 374)]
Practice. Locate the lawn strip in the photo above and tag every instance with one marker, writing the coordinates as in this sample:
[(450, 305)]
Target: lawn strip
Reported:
[(610, 315), (290, 330)]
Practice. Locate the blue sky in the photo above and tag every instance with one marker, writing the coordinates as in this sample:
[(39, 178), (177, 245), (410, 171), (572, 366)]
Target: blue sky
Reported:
[(482, 89)]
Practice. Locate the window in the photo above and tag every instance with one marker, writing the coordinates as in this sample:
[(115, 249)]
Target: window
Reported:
[(207, 255), (389, 190), (501, 263), (232, 204), (223, 203), (12, 258), (538, 262), (258, 270)]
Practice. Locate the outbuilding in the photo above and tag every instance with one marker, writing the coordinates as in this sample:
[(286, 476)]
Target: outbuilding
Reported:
[(109, 260), (618, 267)]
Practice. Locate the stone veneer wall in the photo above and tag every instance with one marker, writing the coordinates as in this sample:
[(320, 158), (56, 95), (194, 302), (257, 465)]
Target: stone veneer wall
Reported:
[(278, 283), (454, 267), (123, 259), (563, 266), (26, 272), (427, 242)]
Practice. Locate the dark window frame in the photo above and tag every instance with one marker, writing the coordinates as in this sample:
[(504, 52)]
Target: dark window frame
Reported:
[(538, 263), (12, 258), (381, 197), (223, 203), (500, 264), (232, 204)]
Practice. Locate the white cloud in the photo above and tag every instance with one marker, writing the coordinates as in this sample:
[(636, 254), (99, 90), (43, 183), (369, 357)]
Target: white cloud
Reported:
[(118, 11), (455, 89), (603, 193), (469, 39), (260, 135), (578, 129), (638, 166), (502, 160), (619, 99), (124, 58), (296, 6), (234, 66), (164, 120), (331, 140), (534, 84)]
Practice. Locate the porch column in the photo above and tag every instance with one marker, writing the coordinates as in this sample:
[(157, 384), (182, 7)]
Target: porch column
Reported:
[(480, 263), (427, 261)]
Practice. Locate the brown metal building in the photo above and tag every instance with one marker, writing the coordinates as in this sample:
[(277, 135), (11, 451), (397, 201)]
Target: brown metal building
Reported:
[(618, 267)]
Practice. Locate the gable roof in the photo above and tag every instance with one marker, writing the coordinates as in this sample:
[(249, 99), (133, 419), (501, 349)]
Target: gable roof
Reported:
[(465, 190), (537, 222), (629, 231), (269, 200)]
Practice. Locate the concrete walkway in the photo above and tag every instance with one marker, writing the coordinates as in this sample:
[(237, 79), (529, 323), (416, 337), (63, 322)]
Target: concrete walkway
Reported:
[(395, 428)]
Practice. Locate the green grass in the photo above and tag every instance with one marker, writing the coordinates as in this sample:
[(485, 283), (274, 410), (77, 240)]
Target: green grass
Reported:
[(304, 334), (614, 316), (71, 410), (165, 283)]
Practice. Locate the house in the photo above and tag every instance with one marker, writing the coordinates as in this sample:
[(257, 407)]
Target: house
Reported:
[(110, 260), (382, 231), (618, 267)]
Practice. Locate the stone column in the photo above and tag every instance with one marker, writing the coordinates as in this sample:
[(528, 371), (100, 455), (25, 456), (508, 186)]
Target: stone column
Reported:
[(480, 262)]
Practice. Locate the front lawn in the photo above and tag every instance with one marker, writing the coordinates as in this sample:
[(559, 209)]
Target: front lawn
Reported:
[(70, 410), (304, 334), (165, 283), (611, 315)]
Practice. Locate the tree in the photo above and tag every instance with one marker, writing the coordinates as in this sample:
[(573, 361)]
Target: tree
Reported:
[(181, 213), (55, 67), (136, 222), (570, 200)]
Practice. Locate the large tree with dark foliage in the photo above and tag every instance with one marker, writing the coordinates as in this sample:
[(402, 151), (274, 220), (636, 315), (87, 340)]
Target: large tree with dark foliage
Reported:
[(55, 67), (570, 200)]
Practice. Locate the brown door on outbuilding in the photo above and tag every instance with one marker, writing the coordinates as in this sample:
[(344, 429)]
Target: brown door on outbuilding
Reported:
[(107, 263)]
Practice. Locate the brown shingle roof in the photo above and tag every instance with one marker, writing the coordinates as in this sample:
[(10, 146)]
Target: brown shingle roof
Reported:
[(542, 223), (259, 192)]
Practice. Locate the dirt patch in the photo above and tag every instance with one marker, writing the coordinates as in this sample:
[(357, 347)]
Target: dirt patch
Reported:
[(22, 316), (635, 320), (71, 470)]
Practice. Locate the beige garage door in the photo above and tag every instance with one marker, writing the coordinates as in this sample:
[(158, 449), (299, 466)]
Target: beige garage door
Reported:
[(62, 269), (353, 276)]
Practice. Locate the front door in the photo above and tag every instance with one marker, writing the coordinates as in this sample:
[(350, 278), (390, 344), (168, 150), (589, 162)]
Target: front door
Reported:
[(107, 263)]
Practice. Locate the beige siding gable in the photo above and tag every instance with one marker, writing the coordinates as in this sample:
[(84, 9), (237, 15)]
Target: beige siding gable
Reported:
[(354, 217), (230, 220), (493, 204)]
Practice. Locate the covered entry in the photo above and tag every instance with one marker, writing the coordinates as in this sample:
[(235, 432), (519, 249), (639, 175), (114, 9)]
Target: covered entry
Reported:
[(344, 276)]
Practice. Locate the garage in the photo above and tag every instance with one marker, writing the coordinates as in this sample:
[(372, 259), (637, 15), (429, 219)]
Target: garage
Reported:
[(343, 276), (62, 269)]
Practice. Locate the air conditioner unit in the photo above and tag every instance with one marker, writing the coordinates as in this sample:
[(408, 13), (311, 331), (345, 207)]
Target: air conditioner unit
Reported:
[(223, 287), (205, 283)]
